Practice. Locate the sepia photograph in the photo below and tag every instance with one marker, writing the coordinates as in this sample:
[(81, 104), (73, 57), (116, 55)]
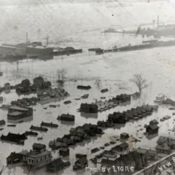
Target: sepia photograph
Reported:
[(87, 87)]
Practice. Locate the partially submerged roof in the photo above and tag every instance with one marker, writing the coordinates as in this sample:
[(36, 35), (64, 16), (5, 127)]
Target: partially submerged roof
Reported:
[(34, 154), (15, 113), (18, 108)]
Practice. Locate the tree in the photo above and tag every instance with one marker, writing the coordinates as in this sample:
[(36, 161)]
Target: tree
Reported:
[(25, 83), (98, 83), (140, 82)]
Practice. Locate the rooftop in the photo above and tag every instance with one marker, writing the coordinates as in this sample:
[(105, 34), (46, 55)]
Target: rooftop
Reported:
[(35, 154), (15, 113), (18, 108)]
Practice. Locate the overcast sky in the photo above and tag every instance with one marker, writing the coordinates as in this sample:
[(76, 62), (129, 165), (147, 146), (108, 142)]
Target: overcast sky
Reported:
[(22, 2)]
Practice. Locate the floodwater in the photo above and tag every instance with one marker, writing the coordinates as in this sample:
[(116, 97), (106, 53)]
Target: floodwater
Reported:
[(111, 70)]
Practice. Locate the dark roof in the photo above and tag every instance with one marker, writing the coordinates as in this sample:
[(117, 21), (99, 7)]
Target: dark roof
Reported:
[(162, 140), (153, 122), (38, 146), (153, 127), (18, 108), (122, 145)]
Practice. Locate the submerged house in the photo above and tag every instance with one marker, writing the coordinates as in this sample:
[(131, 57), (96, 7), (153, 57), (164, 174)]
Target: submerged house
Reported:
[(109, 157), (38, 156), (121, 149), (7, 87), (152, 128), (14, 138), (165, 145), (163, 149), (89, 108), (17, 112), (66, 117), (51, 95), (57, 165), (124, 136), (35, 158), (115, 153), (14, 158)]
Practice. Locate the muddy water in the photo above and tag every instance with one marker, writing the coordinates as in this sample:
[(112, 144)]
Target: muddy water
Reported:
[(114, 70)]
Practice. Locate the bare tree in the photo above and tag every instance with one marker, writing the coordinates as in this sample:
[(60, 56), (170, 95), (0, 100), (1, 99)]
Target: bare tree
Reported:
[(98, 83), (140, 82)]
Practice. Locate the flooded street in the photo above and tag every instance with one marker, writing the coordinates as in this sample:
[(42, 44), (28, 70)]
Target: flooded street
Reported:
[(112, 70)]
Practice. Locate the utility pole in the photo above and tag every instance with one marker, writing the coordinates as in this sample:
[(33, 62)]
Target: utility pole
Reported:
[(47, 40), (157, 21), (27, 39)]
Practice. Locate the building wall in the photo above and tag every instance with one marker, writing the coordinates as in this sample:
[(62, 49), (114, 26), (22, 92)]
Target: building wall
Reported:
[(38, 160)]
